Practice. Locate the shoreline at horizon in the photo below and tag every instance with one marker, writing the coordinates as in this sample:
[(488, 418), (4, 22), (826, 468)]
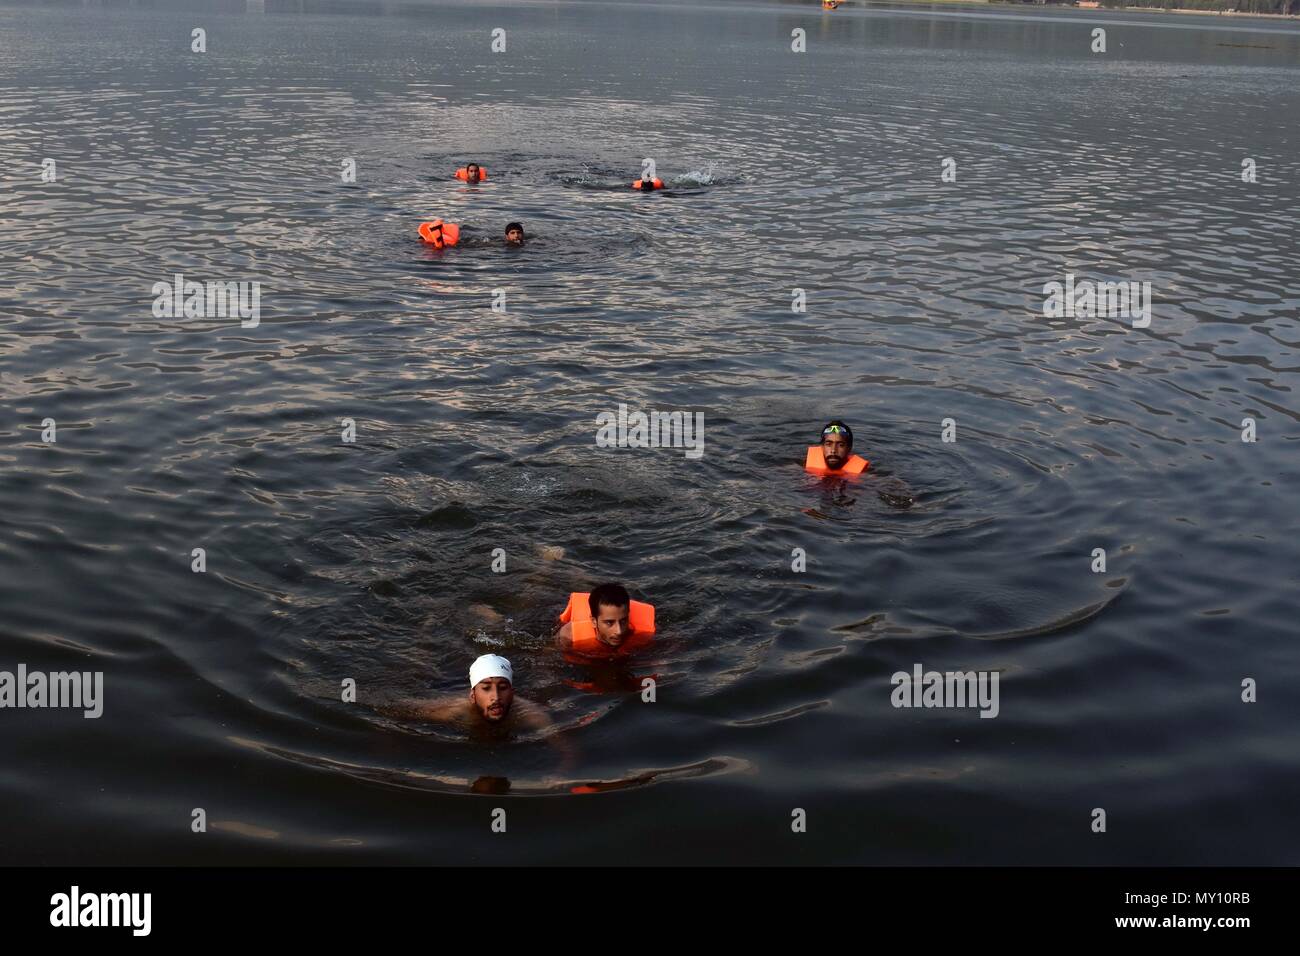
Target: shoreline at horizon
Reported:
[(1071, 6)]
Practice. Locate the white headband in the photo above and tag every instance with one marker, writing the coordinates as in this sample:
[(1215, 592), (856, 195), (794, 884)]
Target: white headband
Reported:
[(490, 665)]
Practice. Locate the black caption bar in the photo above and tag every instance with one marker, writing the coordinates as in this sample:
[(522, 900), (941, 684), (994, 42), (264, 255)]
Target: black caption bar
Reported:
[(431, 905)]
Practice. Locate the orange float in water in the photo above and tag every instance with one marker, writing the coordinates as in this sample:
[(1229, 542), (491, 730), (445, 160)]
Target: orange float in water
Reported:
[(577, 612), (654, 184), (463, 174), (816, 463), (440, 234)]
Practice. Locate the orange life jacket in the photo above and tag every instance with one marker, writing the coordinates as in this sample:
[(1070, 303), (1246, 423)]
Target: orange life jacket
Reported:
[(816, 463), (440, 233), (656, 183), (577, 612), (463, 174)]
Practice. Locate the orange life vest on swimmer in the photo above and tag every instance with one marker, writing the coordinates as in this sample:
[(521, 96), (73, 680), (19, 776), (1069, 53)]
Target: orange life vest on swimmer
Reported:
[(656, 183), (577, 612), (816, 463), (463, 174), (440, 233)]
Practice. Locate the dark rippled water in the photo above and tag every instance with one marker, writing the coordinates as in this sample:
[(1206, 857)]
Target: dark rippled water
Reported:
[(476, 430)]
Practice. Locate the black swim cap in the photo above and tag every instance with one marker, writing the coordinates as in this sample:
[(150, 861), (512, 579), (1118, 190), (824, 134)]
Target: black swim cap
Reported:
[(836, 426)]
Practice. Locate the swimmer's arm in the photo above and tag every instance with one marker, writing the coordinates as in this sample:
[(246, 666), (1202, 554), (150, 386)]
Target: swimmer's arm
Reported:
[(535, 718), (532, 716), (442, 711), (564, 637), (894, 492)]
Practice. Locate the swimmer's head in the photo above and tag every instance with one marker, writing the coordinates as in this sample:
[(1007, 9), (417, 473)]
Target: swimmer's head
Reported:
[(472, 174), (837, 444), (515, 233), (490, 686), (647, 185), (611, 607)]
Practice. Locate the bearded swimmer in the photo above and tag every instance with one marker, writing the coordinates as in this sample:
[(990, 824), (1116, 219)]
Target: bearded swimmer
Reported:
[(491, 702), (834, 458)]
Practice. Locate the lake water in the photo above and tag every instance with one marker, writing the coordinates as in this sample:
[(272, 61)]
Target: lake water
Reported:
[(475, 430)]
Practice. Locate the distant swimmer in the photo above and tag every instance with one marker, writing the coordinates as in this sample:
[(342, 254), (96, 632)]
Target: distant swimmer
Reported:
[(491, 702), (648, 185), (834, 456), (605, 621), (441, 234), (471, 173)]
